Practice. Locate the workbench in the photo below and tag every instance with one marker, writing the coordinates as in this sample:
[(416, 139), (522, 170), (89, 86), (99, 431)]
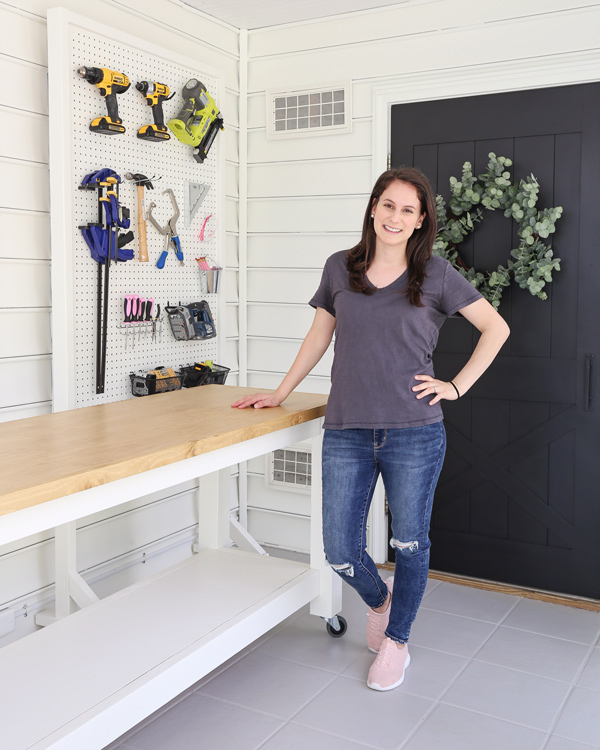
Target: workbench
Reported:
[(101, 666)]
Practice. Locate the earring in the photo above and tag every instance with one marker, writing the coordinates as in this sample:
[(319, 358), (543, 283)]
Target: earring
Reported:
[(418, 226), (372, 216)]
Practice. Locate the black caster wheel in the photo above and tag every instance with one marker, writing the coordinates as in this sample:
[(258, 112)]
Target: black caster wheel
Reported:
[(342, 629)]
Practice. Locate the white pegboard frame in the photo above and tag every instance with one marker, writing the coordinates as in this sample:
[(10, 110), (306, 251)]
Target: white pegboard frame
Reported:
[(75, 151)]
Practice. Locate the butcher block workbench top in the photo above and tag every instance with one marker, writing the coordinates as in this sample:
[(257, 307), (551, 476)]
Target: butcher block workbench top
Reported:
[(47, 457)]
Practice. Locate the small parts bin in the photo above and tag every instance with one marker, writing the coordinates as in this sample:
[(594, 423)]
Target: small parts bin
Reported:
[(163, 379), (202, 374), (159, 380), (194, 375)]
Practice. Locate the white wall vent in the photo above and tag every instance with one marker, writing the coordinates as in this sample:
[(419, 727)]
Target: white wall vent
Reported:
[(301, 112), (290, 468)]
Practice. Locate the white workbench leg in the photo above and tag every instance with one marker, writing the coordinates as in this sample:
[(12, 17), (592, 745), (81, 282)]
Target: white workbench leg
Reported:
[(70, 588), (329, 602), (213, 510), (65, 562)]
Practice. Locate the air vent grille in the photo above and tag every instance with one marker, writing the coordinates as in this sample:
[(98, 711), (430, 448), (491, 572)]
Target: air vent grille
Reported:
[(290, 468), (309, 112)]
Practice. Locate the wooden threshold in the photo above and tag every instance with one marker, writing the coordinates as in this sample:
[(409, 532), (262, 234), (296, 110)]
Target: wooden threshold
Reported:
[(592, 605)]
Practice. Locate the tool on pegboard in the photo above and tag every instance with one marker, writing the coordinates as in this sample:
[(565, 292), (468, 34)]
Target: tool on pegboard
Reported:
[(155, 94), (129, 314), (210, 274), (109, 83), (140, 314), (156, 320), (194, 195), (198, 121), (193, 321), (141, 182), (169, 231), (206, 234), (102, 238)]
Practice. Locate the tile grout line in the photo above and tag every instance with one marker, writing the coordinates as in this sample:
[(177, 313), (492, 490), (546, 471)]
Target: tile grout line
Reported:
[(513, 627), (334, 675), (512, 722), (273, 716), (249, 650), (302, 663), (336, 736), (532, 674), (270, 737), (469, 661), (572, 687), (218, 672), (148, 721), (321, 731), (546, 635), (289, 720)]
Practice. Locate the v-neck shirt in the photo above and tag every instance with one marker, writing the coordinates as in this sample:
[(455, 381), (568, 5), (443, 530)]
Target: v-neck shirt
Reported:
[(382, 342)]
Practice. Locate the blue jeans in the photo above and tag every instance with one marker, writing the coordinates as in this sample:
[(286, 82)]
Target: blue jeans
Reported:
[(409, 460)]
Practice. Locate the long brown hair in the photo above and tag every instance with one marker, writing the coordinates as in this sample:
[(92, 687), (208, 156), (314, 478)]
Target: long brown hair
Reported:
[(420, 244)]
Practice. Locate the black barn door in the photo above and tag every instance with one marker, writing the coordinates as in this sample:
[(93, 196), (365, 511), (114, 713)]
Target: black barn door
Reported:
[(519, 497)]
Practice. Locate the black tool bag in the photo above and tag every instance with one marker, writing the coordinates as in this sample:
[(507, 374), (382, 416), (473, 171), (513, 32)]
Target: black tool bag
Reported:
[(182, 322), (204, 325), (193, 321)]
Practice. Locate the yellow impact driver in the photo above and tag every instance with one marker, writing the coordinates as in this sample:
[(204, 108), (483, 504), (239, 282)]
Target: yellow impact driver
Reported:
[(156, 94), (109, 83)]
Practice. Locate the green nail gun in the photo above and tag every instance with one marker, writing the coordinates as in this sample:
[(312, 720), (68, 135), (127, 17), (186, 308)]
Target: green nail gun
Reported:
[(198, 121)]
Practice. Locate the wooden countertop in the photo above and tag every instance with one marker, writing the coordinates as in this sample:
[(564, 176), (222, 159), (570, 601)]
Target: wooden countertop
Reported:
[(43, 458)]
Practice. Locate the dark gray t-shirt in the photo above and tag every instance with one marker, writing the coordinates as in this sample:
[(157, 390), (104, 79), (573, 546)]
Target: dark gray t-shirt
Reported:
[(382, 342)]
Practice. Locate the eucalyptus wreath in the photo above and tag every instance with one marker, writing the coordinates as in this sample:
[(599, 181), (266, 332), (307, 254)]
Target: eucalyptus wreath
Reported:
[(532, 262)]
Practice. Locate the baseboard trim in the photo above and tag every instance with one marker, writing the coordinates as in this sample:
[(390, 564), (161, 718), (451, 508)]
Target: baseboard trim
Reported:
[(592, 605)]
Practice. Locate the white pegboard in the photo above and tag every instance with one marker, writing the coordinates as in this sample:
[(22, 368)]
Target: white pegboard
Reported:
[(168, 165)]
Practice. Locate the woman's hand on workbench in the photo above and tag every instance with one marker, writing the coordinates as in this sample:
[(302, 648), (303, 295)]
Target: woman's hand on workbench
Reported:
[(258, 400)]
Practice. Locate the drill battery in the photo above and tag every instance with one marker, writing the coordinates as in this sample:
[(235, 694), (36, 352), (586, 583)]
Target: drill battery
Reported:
[(155, 94), (109, 83)]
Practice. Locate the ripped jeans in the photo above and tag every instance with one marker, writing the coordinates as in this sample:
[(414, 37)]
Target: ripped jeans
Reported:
[(409, 460)]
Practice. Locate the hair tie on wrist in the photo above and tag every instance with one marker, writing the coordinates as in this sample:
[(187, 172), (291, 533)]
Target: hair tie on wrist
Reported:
[(453, 384)]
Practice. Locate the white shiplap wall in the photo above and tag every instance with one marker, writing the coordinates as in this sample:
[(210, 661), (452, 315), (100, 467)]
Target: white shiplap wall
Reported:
[(157, 529), (305, 199), (306, 196)]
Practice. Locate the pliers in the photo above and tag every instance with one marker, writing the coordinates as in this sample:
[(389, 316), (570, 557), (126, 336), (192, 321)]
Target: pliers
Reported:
[(169, 231)]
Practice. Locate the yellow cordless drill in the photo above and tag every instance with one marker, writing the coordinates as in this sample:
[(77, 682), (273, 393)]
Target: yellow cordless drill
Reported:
[(156, 94), (109, 83)]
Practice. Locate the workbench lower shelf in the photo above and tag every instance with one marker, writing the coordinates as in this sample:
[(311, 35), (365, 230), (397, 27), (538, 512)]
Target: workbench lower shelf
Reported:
[(87, 679)]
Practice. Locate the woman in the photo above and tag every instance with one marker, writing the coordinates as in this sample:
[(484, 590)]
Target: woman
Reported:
[(386, 300)]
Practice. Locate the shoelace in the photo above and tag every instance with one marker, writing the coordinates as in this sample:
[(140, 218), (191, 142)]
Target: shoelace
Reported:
[(386, 654)]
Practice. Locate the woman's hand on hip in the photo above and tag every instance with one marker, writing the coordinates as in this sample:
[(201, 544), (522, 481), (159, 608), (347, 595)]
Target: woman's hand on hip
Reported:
[(439, 389), (258, 400)]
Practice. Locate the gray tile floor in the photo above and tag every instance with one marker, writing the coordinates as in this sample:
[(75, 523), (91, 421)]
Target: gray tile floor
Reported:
[(488, 670)]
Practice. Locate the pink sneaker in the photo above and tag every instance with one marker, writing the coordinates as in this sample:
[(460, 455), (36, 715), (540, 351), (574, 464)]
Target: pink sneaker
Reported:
[(377, 623), (387, 671)]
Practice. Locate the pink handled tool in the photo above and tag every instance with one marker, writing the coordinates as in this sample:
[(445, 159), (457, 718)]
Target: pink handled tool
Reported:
[(204, 235)]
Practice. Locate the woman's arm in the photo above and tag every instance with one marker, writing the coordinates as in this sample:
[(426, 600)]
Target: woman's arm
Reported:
[(494, 332), (313, 348)]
